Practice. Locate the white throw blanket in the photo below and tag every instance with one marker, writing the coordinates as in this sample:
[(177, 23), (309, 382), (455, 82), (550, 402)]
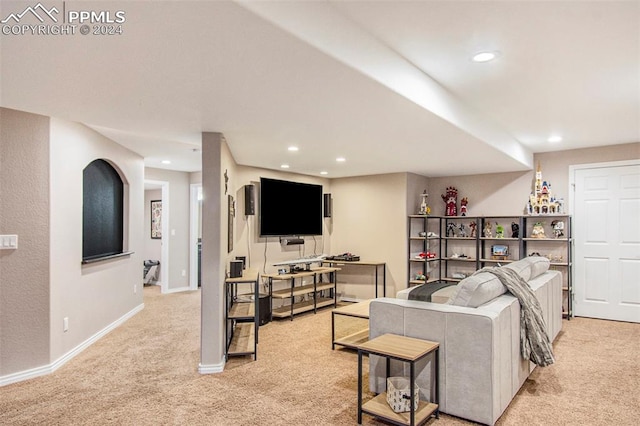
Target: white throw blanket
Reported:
[(534, 340)]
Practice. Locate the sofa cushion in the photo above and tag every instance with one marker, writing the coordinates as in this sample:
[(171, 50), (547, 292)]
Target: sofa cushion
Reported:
[(530, 267), (477, 290), (483, 287)]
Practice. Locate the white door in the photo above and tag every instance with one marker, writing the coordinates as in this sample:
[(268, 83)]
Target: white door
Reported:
[(607, 242)]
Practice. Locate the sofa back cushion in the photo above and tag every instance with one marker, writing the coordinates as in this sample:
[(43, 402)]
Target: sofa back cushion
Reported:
[(483, 287), (530, 267), (477, 290)]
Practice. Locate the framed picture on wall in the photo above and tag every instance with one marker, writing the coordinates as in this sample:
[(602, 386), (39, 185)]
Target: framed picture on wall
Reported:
[(232, 213), (156, 219)]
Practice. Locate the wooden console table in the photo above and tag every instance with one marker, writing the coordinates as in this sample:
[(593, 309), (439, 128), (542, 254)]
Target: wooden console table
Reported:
[(376, 265), (301, 290), (406, 349)]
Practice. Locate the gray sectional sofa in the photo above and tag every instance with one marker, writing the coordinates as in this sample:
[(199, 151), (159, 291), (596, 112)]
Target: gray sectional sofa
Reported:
[(481, 366)]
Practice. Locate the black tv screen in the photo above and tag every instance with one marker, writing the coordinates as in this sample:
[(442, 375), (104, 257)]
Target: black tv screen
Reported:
[(290, 208)]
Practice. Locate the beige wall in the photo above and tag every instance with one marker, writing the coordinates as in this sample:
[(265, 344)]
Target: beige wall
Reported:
[(370, 220), (507, 193), (179, 194), (24, 210), (92, 296)]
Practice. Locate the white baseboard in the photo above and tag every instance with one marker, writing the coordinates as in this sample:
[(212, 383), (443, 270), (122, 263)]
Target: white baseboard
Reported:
[(50, 368), (211, 368)]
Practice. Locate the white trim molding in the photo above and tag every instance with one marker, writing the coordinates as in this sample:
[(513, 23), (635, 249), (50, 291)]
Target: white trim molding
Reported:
[(50, 368), (211, 369)]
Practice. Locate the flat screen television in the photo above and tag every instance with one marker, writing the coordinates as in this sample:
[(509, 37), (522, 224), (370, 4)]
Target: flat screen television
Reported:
[(290, 208)]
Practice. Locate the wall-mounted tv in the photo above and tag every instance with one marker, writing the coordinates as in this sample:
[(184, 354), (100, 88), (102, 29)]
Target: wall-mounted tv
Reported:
[(290, 208)]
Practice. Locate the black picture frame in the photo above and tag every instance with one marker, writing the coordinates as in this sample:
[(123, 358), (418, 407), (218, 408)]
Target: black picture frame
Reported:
[(156, 219)]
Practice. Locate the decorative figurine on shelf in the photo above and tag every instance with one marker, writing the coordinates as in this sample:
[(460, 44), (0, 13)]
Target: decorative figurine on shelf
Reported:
[(463, 230), (473, 225), (515, 230), (424, 207), (450, 200), (420, 276), (426, 255), (463, 206), (499, 231), (451, 229), (488, 231), (541, 199), (558, 228), (538, 231)]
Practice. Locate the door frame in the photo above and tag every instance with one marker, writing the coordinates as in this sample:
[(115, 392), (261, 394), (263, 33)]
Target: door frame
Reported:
[(194, 220), (572, 187)]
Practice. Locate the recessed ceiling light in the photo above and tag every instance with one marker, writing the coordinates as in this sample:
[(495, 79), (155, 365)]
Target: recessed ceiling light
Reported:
[(341, 159), (555, 139), (485, 56), (284, 166), (293, 148), (324, 173), (166, 162)]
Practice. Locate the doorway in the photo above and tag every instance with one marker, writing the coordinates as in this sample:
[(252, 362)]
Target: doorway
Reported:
[(164, 240), (606, 208)]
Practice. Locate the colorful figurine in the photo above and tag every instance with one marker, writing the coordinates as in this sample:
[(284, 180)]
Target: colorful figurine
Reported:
[(515, 230), (451, 229), (558, 228), (499, 231), (538, 231), (463, 206), (450, 200), (424, 207), (541, 199), (473, 225), (488, 231)]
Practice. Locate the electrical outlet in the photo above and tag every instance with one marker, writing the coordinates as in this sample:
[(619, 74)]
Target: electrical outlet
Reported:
[(135, 288), (184, 273), (65, 324)]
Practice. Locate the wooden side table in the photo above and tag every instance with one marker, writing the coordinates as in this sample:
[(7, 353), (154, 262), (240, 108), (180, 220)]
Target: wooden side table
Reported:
[(406, 349), (355, 310)]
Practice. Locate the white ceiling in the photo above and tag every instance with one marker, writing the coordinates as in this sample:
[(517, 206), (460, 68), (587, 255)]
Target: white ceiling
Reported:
[(388, 85)]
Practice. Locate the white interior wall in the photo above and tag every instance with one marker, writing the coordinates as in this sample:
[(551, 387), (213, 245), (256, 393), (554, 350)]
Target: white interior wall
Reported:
[(91, 296)]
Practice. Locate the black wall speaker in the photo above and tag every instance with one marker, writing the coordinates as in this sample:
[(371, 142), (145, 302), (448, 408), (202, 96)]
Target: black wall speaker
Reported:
[(327, 205), (249, 200), (235, 269)]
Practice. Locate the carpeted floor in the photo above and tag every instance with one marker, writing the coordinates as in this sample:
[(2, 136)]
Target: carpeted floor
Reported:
[(145, 373)]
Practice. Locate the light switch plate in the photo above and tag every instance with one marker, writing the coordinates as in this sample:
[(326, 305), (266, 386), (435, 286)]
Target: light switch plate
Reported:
[(8, 242)]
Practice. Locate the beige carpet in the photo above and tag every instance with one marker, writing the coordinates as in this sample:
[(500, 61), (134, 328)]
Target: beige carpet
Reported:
[(145, 373)]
